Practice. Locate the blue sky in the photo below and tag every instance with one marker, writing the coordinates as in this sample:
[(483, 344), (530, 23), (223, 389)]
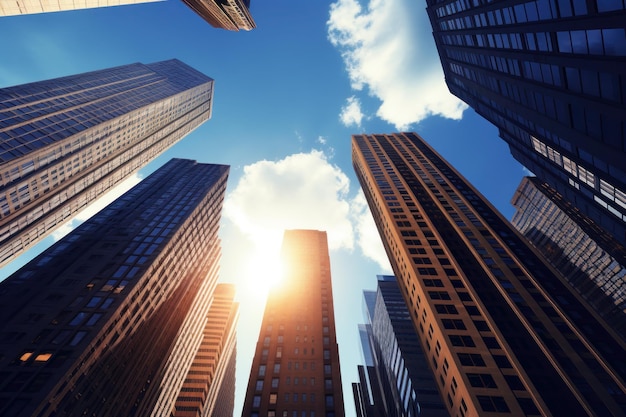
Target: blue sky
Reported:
[(288, 95)]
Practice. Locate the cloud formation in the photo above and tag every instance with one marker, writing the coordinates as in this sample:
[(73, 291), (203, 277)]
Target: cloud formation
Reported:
[(351, 114), (388, 49), (301, 191)]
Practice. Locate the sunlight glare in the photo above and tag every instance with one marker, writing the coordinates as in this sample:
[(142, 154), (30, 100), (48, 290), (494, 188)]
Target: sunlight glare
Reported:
[(264, 270)]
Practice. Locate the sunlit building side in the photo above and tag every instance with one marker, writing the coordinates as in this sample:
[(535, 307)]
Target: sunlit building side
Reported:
[(65, 142), (504, 333), (210, 373), (107, 321), (591, 260), (295, 370), (551, 75), (19, 7), (224, 14), (396, 381)]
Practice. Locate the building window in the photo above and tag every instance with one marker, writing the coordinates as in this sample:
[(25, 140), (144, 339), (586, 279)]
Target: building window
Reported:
[(256, 401), (262, 370), (259, 385), (488, 403), (276, 368), (330, 401), (273, 398), (481, 380), (274, 382)]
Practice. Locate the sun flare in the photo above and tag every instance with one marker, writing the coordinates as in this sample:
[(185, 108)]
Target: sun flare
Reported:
[(264, 270)]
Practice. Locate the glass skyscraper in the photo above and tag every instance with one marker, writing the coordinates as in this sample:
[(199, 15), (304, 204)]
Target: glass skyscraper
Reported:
[(586, 255), (398, 377), (64, 142), (551, 75), (295, 370), (109, 319), (504, 332)]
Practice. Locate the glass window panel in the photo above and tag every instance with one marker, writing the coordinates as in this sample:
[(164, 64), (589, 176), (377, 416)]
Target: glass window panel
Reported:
[(565, 8), (609, 5), (564, 42), (614, 41), (579, 41)]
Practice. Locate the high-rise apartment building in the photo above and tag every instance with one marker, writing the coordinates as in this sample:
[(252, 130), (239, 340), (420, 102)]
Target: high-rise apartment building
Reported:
[(64, 142), (224, 14), (551, 75), (19, 7), (108, 320), (591, 260), (399, 377), (295, 370), (212, 370), (503, 331)]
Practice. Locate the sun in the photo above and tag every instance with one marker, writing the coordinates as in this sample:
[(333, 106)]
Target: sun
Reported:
[(264, 269)]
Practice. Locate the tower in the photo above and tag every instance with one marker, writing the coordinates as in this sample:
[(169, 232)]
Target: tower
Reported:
[(209, 388), (295, 370), (550, 74), (589, 258), (108, 319), (64, 142), (224, 14), (503, 331), (399, 376)]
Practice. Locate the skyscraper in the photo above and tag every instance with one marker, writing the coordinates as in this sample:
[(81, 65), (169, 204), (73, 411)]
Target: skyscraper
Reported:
[(19, 7), (551, 75), (209, 388), (224, 14), (64, 142), (587, 256), (108, 320), (503, 331), (399, 374), (295, 370)]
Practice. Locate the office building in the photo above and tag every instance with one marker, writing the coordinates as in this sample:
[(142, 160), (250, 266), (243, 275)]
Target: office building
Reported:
[(591, 260), (295, 370), (397, 375), (65, 142), (224, 14), (19, 7), (504, 333), (212, 370), (551, 75), (107, 321)]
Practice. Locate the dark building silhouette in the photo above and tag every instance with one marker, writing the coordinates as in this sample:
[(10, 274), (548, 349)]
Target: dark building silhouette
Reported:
[(65, 142), (295, 370), (504, 332), (397, 375), (108, 320), (209, 388), (551, 75), (591, 260), (224, 14)]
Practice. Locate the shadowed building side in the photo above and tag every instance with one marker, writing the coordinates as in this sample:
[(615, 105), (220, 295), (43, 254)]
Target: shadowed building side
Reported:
[(109, 318), (224, 14)]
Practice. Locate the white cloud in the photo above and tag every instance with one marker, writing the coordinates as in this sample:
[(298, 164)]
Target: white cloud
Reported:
[(389, 49), (351, 114), (96, 206), (321, 140), (367, 234), (301, 191)]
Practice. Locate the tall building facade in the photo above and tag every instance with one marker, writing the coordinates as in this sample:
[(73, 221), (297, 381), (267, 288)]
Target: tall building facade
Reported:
[(587, 256), (64, 142), (295, 370), (551, 75), (399, 376), (224, 14), (19, 7), (503, 331), (209, 388), (108, 320)]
